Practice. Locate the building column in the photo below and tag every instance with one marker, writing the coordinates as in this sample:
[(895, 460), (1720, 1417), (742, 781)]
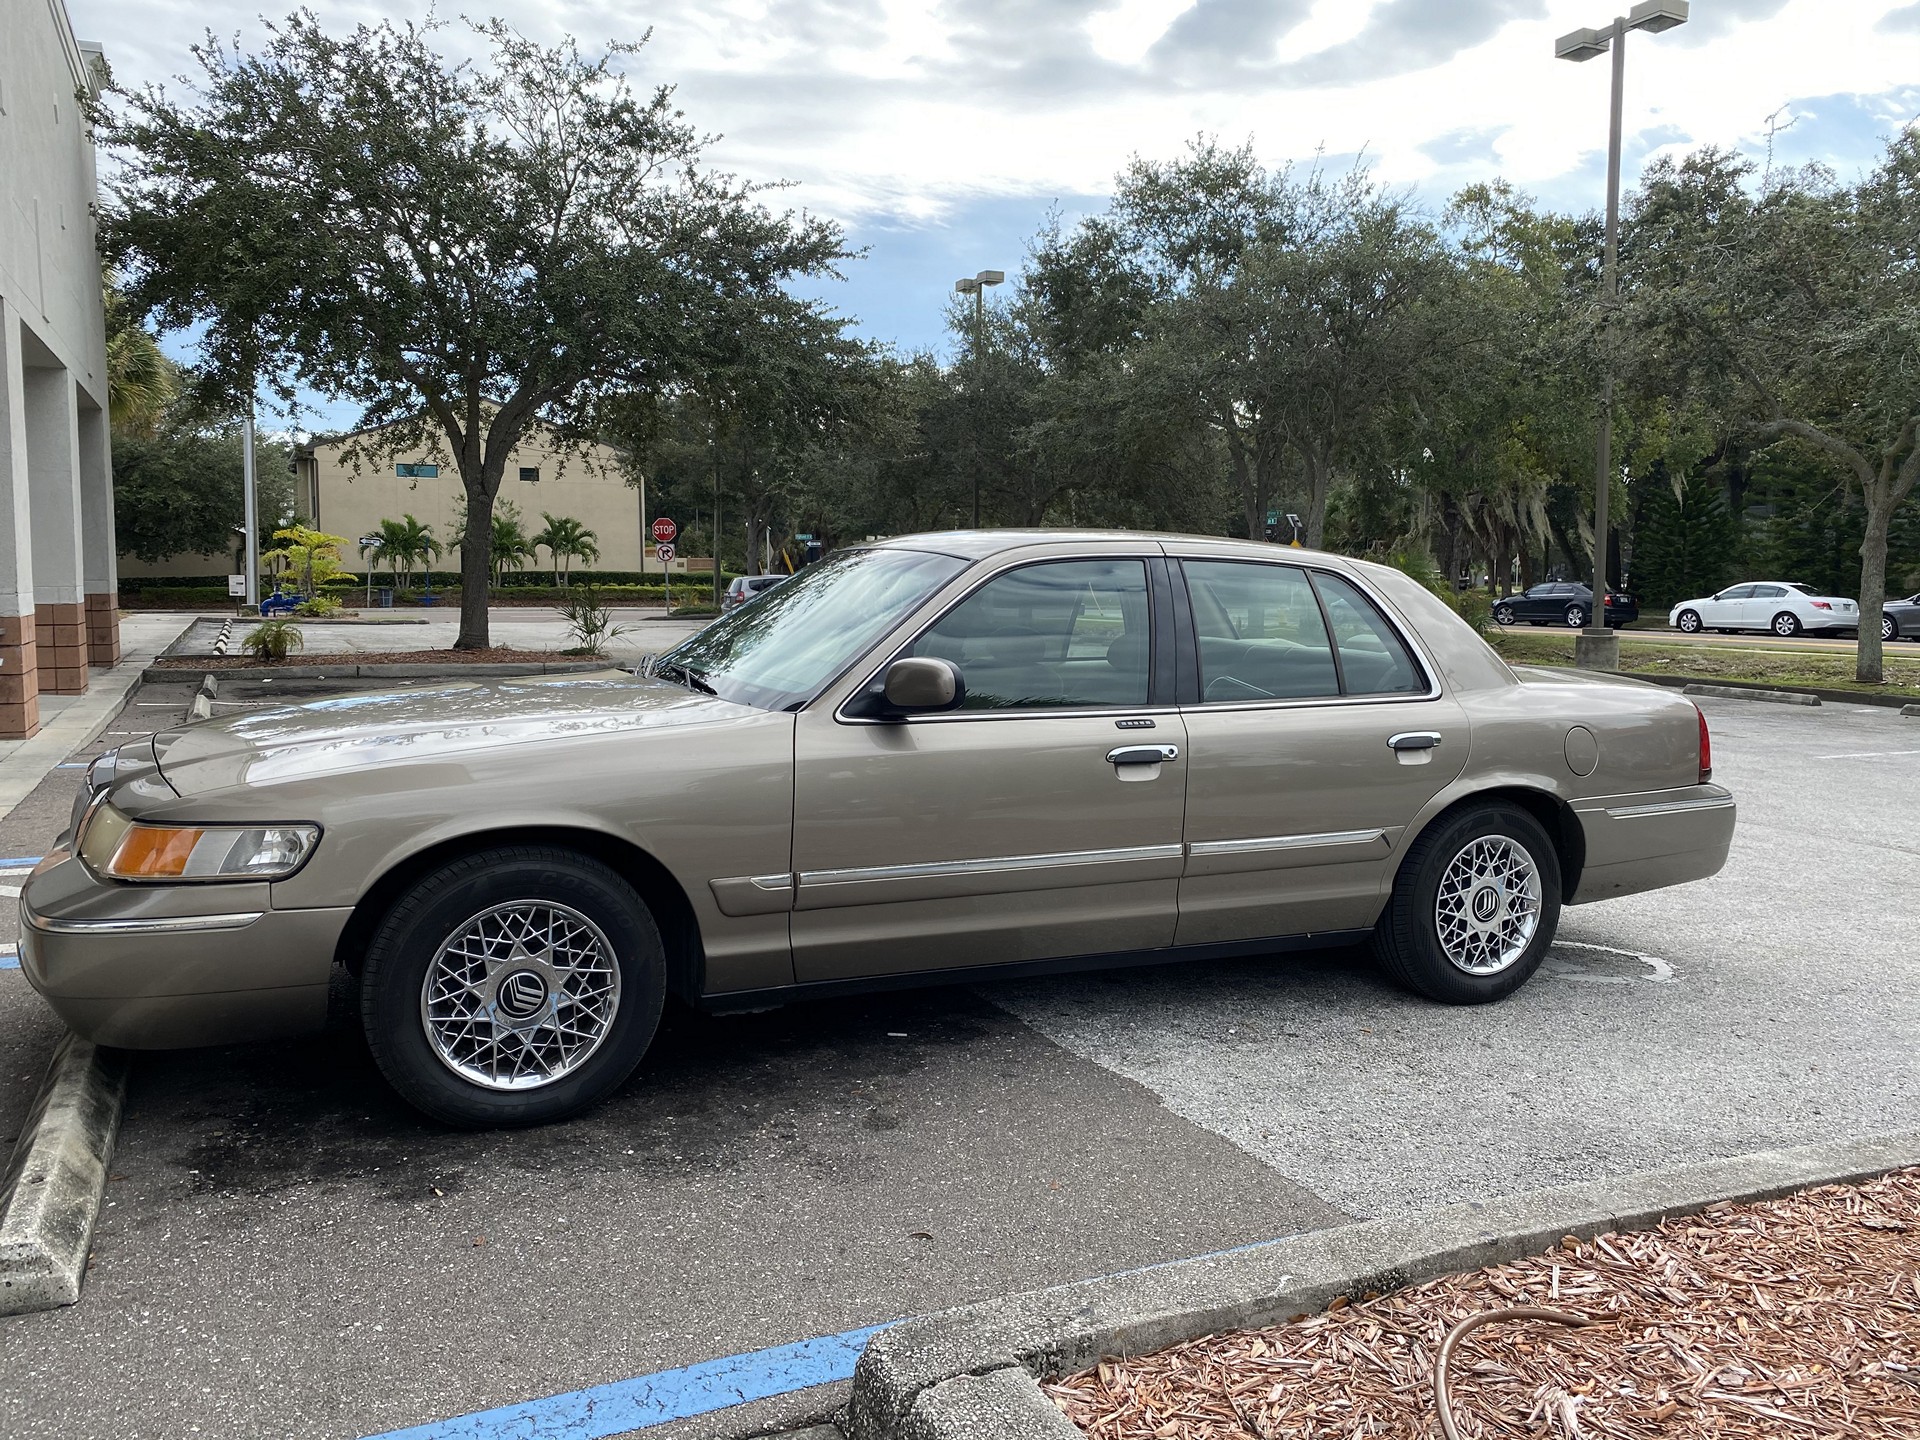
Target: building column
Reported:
[(53, 483), (101, 570), (19, 674)]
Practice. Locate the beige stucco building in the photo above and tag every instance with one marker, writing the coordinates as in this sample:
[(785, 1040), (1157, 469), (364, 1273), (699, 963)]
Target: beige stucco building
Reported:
[(58, 581), (348, 493)]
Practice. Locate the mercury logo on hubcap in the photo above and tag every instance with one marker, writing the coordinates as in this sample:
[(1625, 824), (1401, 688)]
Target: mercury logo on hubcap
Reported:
[(1485, 902), (521, 995)]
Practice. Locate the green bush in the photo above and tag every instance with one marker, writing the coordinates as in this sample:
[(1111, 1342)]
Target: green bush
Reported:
[(1473, 606), (273, 640), (317, 606), (190, 595)]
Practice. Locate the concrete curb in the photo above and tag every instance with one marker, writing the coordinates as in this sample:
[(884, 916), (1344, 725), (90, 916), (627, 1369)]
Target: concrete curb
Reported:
[(906, 1386), (1912, 710), (51, 1194), (187, 674), (1740, 692), (1745, 687)]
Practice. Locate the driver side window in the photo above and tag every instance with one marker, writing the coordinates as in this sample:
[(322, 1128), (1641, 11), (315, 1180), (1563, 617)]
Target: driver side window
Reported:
[(1059, 634)]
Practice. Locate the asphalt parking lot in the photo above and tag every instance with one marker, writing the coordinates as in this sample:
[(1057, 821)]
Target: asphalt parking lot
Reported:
[(286, 1250)]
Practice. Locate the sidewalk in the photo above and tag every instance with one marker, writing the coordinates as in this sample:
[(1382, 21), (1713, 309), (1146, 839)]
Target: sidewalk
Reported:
[(69, 721)]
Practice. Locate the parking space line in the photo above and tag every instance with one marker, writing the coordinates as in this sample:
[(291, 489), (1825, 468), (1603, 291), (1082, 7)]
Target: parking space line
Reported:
[(9, 957), (1868, 755), (655, 1399)]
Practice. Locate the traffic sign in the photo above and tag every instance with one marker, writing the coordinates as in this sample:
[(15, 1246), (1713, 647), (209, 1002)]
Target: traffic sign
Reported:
[(663, 552), (664, 530)]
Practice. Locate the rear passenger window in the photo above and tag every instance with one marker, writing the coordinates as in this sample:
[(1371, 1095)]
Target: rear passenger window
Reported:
[(1373, 659), (1068, 633), (1260, 632)]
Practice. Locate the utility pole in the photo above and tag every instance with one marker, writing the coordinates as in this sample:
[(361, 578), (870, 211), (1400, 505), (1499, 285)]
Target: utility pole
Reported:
[(976, 286), (252, 511)]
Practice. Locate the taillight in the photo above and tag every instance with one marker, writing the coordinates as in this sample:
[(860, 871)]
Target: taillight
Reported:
[(1706, 747), (1821, 605)]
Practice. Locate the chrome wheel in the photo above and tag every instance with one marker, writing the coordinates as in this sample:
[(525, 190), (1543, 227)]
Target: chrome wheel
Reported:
[(1576, 617), (1888, 630), (1503, 615), (1488, 906), (1689, 622), (520, 995)]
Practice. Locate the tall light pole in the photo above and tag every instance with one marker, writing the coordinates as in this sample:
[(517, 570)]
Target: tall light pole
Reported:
[(976, 286), (1597, 647)]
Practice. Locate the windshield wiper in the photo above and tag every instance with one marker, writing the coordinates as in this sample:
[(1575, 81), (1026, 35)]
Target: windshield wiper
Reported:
[(692, 679)]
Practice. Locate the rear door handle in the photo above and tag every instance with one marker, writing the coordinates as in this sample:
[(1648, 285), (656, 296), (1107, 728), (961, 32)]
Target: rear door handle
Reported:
[(1143, 754), (1414, 740)]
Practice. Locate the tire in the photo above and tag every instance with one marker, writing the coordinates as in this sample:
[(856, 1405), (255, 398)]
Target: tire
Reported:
[(1576, 616), (1503, 615), (427, 1042), (1408, 941), (1786, 624), (1888, 630), (1688, 622)]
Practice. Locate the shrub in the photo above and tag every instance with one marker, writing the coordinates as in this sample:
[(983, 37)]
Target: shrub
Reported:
[(591, 623), (318, 605), (273, 640), (1473, 606)]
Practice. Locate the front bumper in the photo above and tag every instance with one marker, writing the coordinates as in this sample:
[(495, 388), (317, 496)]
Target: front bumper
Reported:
[(1651, 840), (162, 967)]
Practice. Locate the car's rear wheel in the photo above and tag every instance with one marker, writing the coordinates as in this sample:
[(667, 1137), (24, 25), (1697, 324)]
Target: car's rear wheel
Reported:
[(1576, 616), (514, 986), (1474, 907), (1503, 614), (1786, 624), (1688, 622)]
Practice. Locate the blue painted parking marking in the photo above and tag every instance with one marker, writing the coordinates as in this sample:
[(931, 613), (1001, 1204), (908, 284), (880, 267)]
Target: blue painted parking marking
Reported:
[(23, 861), (9, 957), (656, 1399)]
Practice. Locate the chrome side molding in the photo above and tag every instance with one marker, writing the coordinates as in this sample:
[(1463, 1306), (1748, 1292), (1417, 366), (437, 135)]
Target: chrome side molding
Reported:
[(157, 925), (1286, 842)]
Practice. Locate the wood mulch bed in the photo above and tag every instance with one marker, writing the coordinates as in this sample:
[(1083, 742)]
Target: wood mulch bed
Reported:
[(500, 655), (1797, 1317)]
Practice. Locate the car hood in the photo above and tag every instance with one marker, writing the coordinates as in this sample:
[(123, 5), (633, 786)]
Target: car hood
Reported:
[(431, 723)]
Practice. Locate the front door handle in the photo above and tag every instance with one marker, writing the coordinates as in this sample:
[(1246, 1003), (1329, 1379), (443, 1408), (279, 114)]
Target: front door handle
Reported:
[(1143, 754), (1414, 740)]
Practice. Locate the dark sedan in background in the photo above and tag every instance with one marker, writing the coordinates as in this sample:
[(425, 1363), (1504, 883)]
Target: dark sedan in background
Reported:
[(1563, 602), (1901, 619)]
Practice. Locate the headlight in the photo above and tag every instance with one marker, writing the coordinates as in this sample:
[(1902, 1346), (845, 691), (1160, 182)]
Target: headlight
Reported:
[(123, 849)]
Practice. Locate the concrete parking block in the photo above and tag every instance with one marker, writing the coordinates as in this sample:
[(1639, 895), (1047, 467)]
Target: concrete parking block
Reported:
[(51, 1193), (905, 1383), (1729, 692)]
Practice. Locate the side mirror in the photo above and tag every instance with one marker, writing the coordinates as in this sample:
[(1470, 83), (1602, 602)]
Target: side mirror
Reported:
[(923, 685)]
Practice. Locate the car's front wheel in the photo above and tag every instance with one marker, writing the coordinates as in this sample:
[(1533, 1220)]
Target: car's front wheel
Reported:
[(1688, 622), (1474, 907), (514, 986), (1503, 614), (1786, 624), (1888, 630)]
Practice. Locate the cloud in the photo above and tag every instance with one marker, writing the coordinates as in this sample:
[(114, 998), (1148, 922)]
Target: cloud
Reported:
[(1216, 38), (1905, 20), (1406, 35), (1711, 20)]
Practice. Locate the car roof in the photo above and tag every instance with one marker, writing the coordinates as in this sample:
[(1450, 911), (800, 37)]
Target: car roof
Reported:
[(979, 544)]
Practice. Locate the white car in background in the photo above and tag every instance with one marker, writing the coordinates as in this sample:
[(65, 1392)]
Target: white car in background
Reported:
[(1783, 606)]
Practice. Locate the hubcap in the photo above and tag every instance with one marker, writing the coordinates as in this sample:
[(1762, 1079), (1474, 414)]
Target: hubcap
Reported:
[(520, 995), (1488, 908)]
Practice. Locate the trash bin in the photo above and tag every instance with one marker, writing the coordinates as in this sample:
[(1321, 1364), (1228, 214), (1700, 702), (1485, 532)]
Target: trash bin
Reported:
[(385, 592)]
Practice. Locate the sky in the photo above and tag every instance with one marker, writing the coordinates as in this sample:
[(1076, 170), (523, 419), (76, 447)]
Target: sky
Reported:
[(942, 133)]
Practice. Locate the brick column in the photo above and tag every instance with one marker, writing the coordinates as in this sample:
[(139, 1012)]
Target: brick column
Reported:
[(19, 674), (100, 564), (53, 483)]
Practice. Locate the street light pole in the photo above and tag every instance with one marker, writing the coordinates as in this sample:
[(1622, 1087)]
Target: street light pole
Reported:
[(1597, 647), (976, 286)]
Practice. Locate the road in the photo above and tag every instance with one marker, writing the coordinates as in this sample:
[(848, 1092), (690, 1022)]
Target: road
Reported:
[(287, 1250)]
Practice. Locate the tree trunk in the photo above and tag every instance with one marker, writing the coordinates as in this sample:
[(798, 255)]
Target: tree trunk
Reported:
[(1869, 668), (1319, 473), (1243, 476)]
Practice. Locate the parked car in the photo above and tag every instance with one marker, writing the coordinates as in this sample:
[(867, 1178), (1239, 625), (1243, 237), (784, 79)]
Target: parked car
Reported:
[(745, 587), (1564, 602), (1783, 606), (943, 756), (1900, 620)]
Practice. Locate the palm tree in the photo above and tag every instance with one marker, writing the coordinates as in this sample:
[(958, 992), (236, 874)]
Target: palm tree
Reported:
[(141, 382), (566, 540), (510, 547), (401, 544)]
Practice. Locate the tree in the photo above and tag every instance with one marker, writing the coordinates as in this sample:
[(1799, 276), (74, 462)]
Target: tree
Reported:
[(566, 540), (402, 544), (508, 547), (466, 249), (1799, 306), (177, 491), (312, 556), (142, 384)]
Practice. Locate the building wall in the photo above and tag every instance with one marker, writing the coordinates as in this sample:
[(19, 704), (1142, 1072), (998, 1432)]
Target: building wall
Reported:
[(58, 577), (351, 495)]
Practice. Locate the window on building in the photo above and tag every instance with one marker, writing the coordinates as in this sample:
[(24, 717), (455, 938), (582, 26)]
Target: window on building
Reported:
[(530, 474), (417, 471)]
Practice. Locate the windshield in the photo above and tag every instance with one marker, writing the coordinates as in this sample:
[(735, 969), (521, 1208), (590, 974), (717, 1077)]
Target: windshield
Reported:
[(790, 642)]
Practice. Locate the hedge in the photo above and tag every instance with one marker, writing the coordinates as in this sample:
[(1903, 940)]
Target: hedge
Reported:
[(441, 580)]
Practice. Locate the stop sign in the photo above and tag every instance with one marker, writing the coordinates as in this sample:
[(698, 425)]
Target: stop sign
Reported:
[(664, 530)]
